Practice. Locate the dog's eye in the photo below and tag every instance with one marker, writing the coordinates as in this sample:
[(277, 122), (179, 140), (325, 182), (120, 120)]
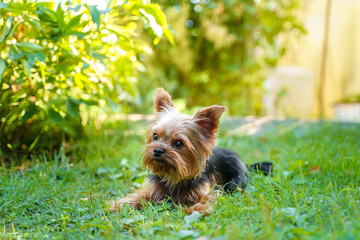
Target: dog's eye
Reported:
[(178, 144), (155, 137)]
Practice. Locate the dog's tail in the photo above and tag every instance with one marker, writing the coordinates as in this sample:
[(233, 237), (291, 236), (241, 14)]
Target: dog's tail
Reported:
[(264, 167)]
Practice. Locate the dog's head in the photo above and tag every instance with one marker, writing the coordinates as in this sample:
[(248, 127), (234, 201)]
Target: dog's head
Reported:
[(179, 145)]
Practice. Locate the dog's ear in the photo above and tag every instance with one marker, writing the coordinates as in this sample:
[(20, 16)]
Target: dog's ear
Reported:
[(162, 100), (208, 118)]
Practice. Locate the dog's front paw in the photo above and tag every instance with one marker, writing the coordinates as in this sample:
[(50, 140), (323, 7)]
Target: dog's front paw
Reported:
[(205, 209), (115, 205), (132, 200)]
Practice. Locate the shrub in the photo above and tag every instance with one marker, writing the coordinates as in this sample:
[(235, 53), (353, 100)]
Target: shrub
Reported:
[(57, 60), (223, 50)]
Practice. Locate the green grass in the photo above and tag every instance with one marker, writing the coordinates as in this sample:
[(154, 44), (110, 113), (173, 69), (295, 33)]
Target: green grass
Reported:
[(313, 194)]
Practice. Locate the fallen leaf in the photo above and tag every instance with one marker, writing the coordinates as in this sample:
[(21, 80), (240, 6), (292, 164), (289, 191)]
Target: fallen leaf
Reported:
[(23, 166), (315, 169)]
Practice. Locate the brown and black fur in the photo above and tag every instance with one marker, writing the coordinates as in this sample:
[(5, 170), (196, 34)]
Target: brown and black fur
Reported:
[(184, 164)]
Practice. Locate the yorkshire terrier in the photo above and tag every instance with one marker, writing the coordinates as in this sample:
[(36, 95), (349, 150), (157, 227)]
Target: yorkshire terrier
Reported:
[(185, 166)]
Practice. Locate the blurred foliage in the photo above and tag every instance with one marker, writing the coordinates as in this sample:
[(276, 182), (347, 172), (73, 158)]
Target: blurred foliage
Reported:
[(351, 99), (58, 60), (223, 50), (62, 64)]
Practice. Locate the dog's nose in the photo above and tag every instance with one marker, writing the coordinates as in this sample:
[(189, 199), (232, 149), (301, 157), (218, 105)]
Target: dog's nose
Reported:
[(158, 152)]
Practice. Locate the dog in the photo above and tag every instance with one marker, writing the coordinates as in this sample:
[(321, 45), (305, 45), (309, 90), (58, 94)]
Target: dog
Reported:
[(185, 166)]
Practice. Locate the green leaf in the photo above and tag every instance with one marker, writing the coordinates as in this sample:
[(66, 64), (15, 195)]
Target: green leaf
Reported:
[(31, 60), (60, 18), (95, 15), (152, 24), (155, 11), (86, 225), (33, 144), (133, 219), (73, 22), (75, 9), (2, 67), (77, 34), (6, 28), (27, 68), (118, 30), (30, 111), (168, 34), (89, 99), (15, 53), (187, 233), (72, 107), (3, 5), (32, 57), (298, 164), (18, 7), (12, 31), (98, 56), (195, 216), (35, 24), (116, 176), (54, 115), (29, 47), (112, 105), (39, 56), (76, 101), (46, 15)]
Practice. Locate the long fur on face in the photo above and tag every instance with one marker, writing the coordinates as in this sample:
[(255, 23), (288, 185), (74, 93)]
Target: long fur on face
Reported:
[(197, 133)]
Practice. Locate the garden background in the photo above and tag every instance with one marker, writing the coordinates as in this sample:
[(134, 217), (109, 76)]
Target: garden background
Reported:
[(76, 86)]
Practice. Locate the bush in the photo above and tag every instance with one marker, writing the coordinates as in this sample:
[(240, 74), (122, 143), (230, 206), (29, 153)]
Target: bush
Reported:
[(55, 63), (223, 50)]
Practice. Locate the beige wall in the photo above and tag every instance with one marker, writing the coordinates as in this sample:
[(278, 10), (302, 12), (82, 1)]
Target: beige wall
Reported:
[(343, 59)]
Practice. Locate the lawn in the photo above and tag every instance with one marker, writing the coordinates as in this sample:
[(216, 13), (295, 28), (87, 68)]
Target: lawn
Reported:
[(314, 192)]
